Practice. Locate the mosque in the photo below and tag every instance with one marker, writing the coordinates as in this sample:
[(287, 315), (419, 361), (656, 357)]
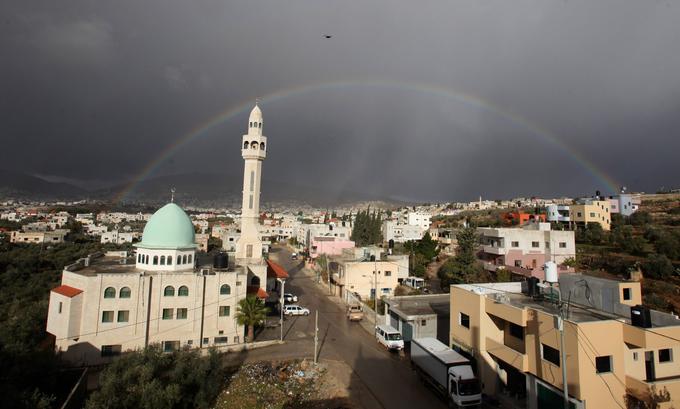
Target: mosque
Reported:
[(167, 292)]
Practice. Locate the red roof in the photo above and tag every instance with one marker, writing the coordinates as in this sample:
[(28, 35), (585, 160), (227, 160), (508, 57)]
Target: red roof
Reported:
[(67, 291), (275, 270), (257, 290)]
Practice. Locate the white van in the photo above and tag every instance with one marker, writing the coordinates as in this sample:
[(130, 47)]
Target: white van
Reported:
[(414, 282), (389, 337)]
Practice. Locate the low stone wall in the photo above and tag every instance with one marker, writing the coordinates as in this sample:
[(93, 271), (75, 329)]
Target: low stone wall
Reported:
[(243, 347)]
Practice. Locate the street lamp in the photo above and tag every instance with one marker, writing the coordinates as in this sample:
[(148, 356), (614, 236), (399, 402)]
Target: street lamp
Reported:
[(563, 348), (282, 300)]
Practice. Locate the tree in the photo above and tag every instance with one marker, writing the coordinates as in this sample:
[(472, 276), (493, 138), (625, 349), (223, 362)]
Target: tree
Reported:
[(658, 266), (250, 312), (151, 379), (367, 228), (464, 267)]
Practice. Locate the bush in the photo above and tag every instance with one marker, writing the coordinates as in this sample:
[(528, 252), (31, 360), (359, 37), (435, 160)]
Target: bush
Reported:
[(151, 379), (658, 266)]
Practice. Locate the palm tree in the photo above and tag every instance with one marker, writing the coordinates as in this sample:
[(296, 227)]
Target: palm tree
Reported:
[(250, 312)]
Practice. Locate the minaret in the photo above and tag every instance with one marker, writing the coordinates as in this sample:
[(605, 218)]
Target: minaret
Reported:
[(249, 245)]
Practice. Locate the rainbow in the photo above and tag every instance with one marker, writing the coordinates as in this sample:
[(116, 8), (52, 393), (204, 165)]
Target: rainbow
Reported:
[(242, 107)]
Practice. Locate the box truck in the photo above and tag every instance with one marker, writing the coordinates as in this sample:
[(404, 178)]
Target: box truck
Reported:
[(449, 372)]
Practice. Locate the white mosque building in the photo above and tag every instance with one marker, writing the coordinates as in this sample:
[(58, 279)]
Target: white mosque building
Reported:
[(114, 302)]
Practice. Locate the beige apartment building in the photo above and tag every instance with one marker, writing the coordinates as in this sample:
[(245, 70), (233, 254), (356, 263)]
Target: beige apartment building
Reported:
[(513, 339), (369, 274), (591, 211), (38, 237)]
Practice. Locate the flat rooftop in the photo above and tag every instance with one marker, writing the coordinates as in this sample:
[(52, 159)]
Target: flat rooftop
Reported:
[(419, 305), (511, 294)]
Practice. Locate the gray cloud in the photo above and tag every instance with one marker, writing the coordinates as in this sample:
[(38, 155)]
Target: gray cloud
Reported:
[(94, 91)]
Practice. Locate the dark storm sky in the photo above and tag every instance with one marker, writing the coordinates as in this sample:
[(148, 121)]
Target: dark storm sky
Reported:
[(92, 91)]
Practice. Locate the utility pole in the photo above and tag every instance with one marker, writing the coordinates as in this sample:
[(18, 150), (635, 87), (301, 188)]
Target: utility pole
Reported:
[(316, 336), (282, 301)]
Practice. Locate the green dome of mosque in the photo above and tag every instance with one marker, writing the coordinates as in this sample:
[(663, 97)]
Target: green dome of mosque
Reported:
[(168, 228)]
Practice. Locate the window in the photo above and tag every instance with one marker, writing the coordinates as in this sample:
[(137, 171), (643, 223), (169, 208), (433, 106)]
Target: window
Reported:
[(110, 292), (111, 350), (167, 313), (518, 263), (162, 260), (547, 244), (107, 316), (169, 260), (563, 244), (60, 305), (635, 356), (189, 258), (514, 243), (665, 355), (169, 291), (250, 202), (123, 316), (626, 294), (183, 291), (124, 292), (155, 260), (550, 354), (578, 214), (516, 331), (388, 273), (224, 310), (179, 260), (535, 244), (423, 323), (221, 340), (205, 341), (603, 364), (139, 258), (249, 249), (245, 145), (225, 289), (252, 180), (592, 214), (182, 313), (262, 146), (170, 346), (184, 259), (464, 320)]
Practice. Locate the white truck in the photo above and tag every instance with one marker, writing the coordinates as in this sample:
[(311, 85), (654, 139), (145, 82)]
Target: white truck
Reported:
[(447, 371)]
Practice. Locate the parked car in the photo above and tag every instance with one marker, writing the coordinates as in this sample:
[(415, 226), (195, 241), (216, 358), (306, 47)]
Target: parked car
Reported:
[(389, 337), (355, 312), (288, 297), (295, 310)]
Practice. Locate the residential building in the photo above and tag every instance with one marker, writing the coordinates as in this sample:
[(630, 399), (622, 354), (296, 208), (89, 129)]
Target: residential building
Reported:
[(38, 237), (420, 219), (523, 251), (419, 316), (329, 246), (513, 338), (591, 211), (558, 213), (369, 274), (118, 237), (401, 233), (625, 204), (445, 238), (202, 241), (306, 232), (520, 218)]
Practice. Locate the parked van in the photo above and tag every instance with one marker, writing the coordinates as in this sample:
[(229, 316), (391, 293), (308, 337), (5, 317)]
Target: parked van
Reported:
[(389, 337), (414, 282)]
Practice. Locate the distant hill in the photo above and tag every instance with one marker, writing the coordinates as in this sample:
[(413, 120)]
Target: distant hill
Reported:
[(18, 185), (221, 189), (199, 189)]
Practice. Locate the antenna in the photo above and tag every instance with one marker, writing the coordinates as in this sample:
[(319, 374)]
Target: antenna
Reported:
[(172, 194)]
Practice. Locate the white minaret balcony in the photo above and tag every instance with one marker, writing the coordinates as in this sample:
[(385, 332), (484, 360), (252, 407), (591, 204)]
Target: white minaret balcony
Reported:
[(254, 147)]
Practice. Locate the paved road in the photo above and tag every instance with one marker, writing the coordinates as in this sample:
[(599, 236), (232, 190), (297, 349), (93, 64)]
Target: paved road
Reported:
[(387, 376)]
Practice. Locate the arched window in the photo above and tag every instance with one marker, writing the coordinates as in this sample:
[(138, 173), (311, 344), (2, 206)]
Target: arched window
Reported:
[(155, 260), (183, 291), (184, 259), (190, 257), (253, 145), (124, 292), (245, 145), (255, 281), (162, 260), (146, 259), (225, 289), (110, 292), (169, 291), (262, 146), (259, 125), (169, 260), (179, 260), (139, 258), (250, 124)]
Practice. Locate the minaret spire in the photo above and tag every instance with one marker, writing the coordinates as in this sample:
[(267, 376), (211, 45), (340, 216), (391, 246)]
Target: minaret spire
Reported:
[(253, 151)]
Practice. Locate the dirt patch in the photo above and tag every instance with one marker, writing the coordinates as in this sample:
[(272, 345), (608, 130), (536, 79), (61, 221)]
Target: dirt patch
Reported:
[(288, 384)]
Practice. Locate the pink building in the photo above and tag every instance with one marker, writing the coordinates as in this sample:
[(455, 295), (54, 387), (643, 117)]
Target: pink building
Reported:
[(331, 246)]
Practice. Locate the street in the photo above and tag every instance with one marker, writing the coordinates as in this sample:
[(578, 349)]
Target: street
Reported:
[(387, 376)]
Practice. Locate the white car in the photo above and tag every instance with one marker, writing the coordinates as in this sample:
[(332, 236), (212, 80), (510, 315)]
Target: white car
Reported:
[(288, 297), (295, 310)]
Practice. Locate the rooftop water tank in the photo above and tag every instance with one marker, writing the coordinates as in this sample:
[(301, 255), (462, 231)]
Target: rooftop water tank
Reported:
[(221, 261), (550, 272)]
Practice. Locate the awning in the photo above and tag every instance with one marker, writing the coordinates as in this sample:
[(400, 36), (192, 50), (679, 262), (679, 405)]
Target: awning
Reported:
[(257, 291), (67, 291), (275, 270)]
